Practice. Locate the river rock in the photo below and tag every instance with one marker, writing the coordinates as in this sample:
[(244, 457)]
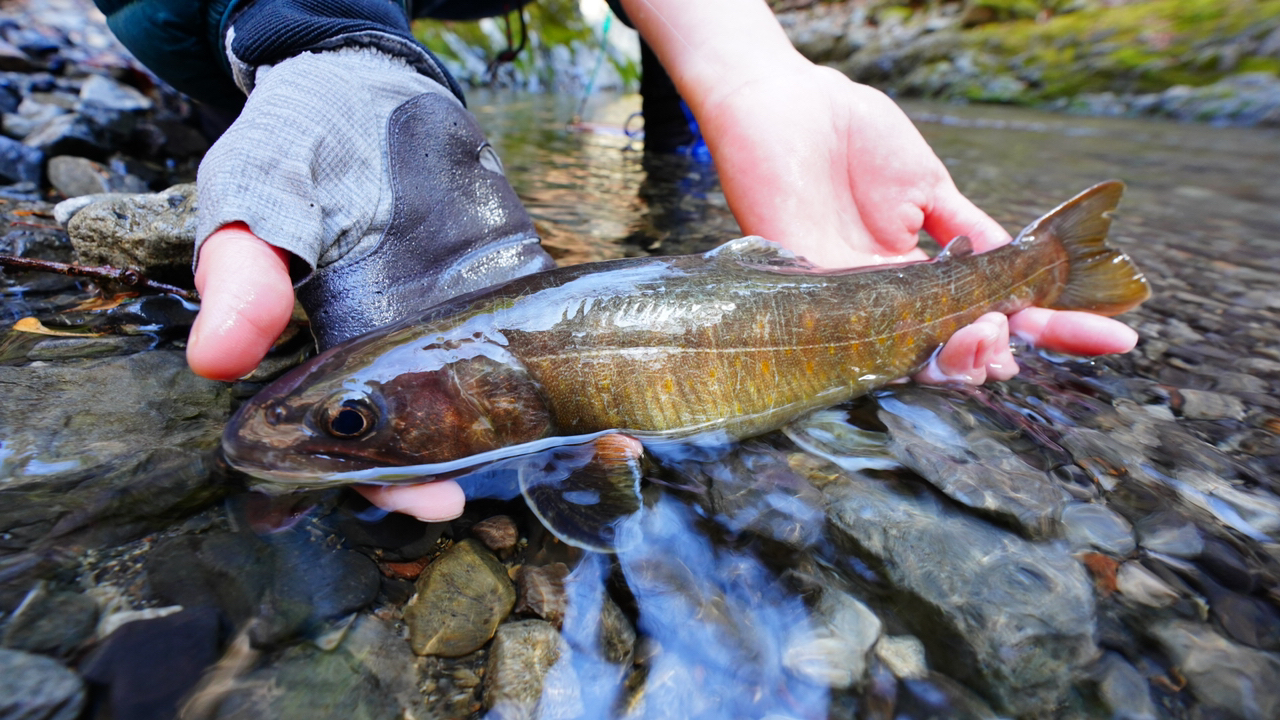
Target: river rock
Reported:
[(1016, 618), (76, 176), (1093, 525), (20, 163), (498, 533), (34, 687), (153, 232), (530, 674), (371, 674), (106, 448), (947, 447), (279, 584), (1140, 585), (540, 592), (1221, 674), (461, 599), (1123, 689), (51, 622), (1205, 405), (67, 134), (112, 106), (834, 651), (904, 656)]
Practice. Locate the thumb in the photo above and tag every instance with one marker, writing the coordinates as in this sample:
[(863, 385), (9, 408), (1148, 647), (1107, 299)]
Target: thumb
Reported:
[(953, 215), (246, 301)]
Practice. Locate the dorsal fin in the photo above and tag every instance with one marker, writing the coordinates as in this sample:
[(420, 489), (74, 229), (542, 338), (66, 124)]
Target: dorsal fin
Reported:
[(756, 250), (957, 248)]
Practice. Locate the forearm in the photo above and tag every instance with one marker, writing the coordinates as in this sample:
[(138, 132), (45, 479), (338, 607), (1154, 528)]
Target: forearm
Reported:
[(712, 48)]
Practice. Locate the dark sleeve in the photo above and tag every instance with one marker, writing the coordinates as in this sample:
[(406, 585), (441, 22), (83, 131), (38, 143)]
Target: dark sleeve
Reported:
[(181, 40)]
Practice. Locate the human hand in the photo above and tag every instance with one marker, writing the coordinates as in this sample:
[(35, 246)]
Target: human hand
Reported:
[(370, 183)]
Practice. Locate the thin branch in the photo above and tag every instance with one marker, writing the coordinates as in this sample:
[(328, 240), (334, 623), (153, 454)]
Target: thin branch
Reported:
[(130, 277)]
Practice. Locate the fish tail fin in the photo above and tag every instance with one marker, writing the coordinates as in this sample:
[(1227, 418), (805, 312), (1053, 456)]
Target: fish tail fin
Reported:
[(1100, 278)]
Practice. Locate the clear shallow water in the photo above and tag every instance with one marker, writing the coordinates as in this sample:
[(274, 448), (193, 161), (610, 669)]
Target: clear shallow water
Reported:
[(1093, 539)]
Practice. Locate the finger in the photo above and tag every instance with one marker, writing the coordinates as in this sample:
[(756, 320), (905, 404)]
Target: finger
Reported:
[(952, 215), (1069, 331), (429, 502), (246, 301), (974, 354)]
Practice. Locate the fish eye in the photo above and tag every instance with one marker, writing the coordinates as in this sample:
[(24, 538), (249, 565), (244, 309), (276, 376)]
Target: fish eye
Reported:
[(353, 418)]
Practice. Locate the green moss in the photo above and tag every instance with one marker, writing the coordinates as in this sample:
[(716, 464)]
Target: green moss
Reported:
[(1139, 47)]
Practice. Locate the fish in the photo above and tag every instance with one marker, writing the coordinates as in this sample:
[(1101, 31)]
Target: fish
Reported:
[(556, 385)]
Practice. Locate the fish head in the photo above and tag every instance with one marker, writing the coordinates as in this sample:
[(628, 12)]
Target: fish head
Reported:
[(423, 405)]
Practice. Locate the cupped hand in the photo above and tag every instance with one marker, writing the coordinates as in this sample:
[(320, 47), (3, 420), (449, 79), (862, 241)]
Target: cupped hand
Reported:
[(836, 172)]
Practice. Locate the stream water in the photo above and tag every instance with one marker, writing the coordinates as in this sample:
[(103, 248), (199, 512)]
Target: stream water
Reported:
[(1095, 538)]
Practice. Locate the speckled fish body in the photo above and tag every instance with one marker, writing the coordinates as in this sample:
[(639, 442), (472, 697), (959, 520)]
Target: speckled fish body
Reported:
[(734, 342)]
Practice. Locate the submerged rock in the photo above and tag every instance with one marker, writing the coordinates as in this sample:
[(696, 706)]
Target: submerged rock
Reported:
[(1013, 617), (944, 444), (33, 687), (1221, 674), (461, 599), (530, 674), (105, 448)]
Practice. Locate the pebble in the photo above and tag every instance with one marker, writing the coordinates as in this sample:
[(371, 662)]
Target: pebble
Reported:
[(1093, 525), (461, 599), (1205, 405), (541, 592), (1221, 674), (20, 163), (529, 674), (1170, 534), (52, 622), (34, 687), (76, 176), (904, 656), (1140, 585), (498, 533), (153, 232), (1124, 689), (834, 651)]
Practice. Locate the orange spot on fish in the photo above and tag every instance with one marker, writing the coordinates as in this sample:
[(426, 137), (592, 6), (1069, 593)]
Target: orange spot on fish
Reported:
[(764, 366), (670, 385), (808, 366)]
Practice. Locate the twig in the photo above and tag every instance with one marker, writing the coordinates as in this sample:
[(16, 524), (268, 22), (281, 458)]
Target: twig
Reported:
[(130, 277)]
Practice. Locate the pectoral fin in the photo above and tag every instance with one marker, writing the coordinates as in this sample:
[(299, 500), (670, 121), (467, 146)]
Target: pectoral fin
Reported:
[(585, 494)]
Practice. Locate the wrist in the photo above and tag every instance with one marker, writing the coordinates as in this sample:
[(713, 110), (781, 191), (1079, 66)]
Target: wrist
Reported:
[(714, 48)]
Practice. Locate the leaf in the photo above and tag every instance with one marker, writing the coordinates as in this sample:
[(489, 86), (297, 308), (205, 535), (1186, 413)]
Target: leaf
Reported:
[(35, 327)]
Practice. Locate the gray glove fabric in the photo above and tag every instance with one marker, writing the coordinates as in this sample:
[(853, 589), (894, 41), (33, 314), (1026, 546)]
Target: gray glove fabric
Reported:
[(378, 179)]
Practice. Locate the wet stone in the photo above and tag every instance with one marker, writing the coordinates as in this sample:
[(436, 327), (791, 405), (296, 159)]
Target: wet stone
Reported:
[(34, 687), (105, 448), (153, 232), (960, 568), (68, 348), (1092, 525), (944, 446), (541, 592), (112, 106), (1170, 534), (834, 652), (68, 134), (903, 655), (1205, 405), (20, 163), (1141, 586), (461, 598), (498, 533), (285, 583), (617, 636), (1221, 674), (51, 622), (1124, 689), (76, 176), (529, 674), (369, 675)]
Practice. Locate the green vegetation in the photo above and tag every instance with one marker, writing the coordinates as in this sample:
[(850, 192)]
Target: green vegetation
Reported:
[(562, 47), (1138, 47)]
